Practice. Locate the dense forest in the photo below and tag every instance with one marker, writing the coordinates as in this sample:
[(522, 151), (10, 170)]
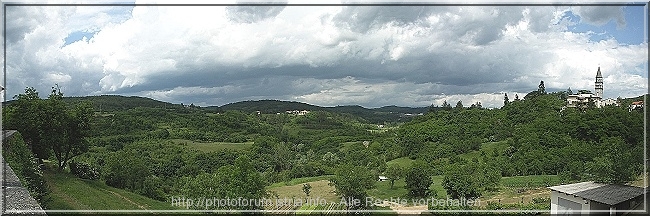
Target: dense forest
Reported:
[(150, 147)]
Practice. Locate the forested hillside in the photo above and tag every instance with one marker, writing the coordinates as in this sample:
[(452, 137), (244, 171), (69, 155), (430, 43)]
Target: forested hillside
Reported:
[(163, 151)]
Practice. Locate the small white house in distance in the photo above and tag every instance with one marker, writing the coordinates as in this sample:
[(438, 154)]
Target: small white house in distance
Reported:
[(383, 178), (593, 198)]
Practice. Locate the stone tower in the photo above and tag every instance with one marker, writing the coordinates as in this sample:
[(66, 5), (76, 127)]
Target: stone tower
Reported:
[(599, 84)]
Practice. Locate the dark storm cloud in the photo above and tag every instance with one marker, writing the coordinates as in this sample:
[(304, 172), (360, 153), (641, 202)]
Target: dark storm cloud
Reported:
[(371, 56), (21, 25), (479, 25), (601, 15)]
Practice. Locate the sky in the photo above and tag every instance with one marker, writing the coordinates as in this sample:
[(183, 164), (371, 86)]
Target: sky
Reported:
[(371, 56)]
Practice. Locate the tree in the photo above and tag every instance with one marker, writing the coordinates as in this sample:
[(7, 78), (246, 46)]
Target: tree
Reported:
[(470, 179), (459, 104), (66, 128), (433, 108), (446, 106), (394, 172), (26, 116), (51, 125), (568, 91), (459, 182), (617, 166), (306, 188), (240, 180), (516, 97), (505, 99), (351, 183), (476, 105), (541, 89), (418, 180)]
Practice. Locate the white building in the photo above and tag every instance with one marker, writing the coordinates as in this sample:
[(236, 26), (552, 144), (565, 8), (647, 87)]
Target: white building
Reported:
[(586, 99), (297, 112), (593, 198), (636, 104)]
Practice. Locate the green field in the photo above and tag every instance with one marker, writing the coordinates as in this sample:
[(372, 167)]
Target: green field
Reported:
[(68, 192), (346, 146), (488, 148), (533, 181), (403, 162), (213, 146), (299, 181)]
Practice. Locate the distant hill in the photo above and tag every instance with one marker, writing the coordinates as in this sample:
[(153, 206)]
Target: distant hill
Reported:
[(110, 103), (375, 115), (266, 106)]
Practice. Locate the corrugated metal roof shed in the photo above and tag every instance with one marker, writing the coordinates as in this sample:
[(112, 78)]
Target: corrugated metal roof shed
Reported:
[(577, 187), (611, 194)]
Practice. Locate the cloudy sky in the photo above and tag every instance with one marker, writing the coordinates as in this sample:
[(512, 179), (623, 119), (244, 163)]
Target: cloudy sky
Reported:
[(372, 56)]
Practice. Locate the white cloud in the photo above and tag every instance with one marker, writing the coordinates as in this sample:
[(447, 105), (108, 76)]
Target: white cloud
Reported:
[(373, 56)]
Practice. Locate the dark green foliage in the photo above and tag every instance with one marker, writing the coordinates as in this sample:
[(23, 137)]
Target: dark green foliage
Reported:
[(25, 114), (375, 115), (394, 172), (469, 180), (51, 125), (616, 165), (444, 133), (239, 180), (112, 103), (84, 170), (352, 182), (136, 148), (459, 105), (418, 180), (19, 157), (306, 188)]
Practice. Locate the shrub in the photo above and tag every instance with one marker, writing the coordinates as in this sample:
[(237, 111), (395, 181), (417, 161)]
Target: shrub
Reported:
[(17, 154), (84, 170)]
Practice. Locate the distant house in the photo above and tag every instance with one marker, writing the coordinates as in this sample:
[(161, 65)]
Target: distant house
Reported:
[(383, 178), (595, 198), (297, 112), (636, 104)]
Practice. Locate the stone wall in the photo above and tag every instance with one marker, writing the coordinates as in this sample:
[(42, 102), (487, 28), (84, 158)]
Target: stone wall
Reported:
[(15, 198)]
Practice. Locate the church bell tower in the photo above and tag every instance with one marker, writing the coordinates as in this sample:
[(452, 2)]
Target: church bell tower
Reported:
[(599, 84)]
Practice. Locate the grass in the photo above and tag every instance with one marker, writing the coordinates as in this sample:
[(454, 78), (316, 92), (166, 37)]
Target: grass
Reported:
[(515, 196), (68, 192), (320, 190), (382, 189), (403, 162), (299, 181), (347, 145), (521, 189), (532, 181), (213, 146), (488, 148)]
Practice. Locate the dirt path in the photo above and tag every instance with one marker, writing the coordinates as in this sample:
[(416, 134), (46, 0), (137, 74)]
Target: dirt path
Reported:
[(507, 198), (401, 209)]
